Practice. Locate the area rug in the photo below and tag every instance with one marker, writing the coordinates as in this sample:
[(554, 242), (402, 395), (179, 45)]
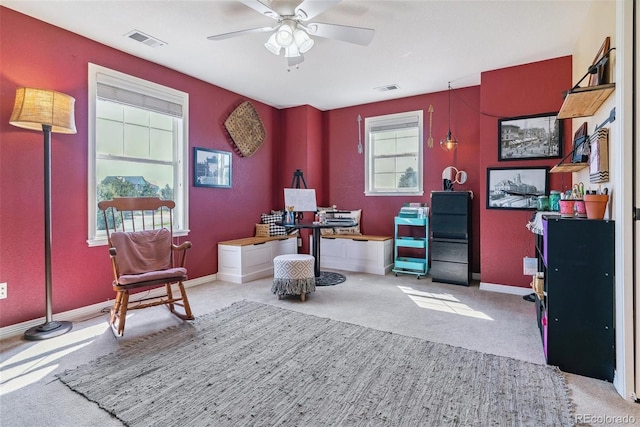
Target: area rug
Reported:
[(253, 364)]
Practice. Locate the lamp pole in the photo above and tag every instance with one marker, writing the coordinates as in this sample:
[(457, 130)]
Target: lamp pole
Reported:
[(50, 328)]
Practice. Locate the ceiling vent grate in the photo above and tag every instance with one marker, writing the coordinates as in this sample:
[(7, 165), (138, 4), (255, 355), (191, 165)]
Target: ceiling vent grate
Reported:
[(387, 88), (145, 38)]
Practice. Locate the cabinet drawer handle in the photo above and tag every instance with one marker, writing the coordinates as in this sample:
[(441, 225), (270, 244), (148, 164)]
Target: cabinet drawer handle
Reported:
[(359, 240), (261, 243)]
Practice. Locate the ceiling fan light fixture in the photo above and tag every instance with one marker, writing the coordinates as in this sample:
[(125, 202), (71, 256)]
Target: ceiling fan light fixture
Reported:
[(284, 35), (303, 41), (272, 46)]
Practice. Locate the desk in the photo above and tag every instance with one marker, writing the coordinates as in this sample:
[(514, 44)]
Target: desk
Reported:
[(323, 278)]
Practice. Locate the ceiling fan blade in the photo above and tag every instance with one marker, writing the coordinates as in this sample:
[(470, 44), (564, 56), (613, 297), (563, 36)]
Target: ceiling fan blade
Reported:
[(295, 60), (310, 8), (261, 8), (240, 33), (357, 35)]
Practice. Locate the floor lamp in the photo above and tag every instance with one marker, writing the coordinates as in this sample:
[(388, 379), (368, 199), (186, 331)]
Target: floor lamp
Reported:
[(49, 111)]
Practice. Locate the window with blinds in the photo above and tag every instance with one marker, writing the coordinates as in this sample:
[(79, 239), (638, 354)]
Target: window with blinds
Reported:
[(393, 154), (137, 143)]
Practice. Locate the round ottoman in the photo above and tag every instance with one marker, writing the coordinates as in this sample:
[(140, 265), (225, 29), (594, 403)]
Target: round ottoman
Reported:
[(293, 275)]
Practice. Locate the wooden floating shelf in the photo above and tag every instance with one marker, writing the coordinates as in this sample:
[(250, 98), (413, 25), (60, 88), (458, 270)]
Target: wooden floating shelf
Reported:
[(568, 167), (585, 101)]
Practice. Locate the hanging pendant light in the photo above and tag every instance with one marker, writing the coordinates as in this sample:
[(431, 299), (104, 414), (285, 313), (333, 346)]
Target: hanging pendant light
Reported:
[(450, 142)]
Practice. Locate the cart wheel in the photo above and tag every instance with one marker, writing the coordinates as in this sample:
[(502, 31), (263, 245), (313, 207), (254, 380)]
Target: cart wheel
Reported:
[(395, 274), (418, 277)]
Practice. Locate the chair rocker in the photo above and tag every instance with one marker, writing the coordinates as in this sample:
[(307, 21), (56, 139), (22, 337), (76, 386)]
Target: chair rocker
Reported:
[(143, 255)]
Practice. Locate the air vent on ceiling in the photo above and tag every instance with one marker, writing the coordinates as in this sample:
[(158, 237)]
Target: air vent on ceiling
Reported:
[(144, 38), (387, 88)]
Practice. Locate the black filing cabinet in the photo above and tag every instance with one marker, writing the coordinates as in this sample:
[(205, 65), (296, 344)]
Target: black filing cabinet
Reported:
[(451, 237), (576, 316)]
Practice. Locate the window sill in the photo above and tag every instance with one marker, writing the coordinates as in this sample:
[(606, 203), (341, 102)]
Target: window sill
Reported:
[(412, 194)]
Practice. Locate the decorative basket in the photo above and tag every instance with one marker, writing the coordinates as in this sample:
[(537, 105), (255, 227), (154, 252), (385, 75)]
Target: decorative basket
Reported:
[(245, 129)]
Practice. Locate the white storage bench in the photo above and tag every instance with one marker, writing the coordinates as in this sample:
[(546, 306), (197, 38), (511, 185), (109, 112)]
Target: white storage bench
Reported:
[(355, 252), (251, 258)]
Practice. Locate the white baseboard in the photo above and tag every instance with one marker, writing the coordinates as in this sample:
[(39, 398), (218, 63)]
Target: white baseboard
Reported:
[(92, 310), (505, 289)]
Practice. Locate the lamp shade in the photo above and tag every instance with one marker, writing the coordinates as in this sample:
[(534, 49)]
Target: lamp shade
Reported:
[(36, 107), (272, 46), (284, 35), (449, 143), (291, 51), (303, 41)]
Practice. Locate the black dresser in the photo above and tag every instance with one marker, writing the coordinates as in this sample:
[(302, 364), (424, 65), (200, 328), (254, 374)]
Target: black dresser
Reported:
[(451, 237)]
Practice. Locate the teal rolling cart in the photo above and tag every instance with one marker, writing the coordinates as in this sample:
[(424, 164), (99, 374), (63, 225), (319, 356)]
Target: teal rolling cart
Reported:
[(419, 241)]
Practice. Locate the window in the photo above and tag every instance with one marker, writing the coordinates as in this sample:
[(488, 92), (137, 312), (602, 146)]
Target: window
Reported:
[(393, 154), (138, 143)]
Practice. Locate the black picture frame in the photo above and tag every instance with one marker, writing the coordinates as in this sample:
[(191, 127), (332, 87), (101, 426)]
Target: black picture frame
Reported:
[(212, 168), (516, 188), (580, 145), (536, 136)]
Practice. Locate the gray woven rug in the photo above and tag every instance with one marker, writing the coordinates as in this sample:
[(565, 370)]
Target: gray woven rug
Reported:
[(253, 364)]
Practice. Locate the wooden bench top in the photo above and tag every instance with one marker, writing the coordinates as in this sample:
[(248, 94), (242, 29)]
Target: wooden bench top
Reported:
[(254, 240), (357, 237)]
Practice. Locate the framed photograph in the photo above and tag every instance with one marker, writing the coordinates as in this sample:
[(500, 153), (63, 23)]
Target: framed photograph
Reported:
[(211, 168), (516, 188), (530, 137)]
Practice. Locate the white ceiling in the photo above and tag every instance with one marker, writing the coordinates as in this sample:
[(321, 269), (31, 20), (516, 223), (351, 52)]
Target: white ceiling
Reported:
[(418, 45)]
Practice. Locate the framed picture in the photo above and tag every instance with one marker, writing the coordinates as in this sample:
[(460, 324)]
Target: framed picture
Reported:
[(530, 137), (580, 145), (516, 188), (601, 76), (211, 168)]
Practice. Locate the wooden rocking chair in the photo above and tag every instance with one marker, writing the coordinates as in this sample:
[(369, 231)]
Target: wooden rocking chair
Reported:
[(143, 255)]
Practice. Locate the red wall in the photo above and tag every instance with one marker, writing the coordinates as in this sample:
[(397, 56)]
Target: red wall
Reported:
[(302, 149), (510, 92), (345, 166), (36, 54)]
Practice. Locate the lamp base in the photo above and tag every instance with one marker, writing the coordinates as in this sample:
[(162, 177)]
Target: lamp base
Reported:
[(47, 330)]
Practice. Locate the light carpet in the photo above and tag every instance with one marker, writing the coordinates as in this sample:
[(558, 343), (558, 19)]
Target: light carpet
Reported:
[(253, 364)]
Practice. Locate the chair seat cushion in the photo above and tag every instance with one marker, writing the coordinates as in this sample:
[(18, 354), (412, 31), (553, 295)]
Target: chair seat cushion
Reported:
[(140, 252), (178, 273)]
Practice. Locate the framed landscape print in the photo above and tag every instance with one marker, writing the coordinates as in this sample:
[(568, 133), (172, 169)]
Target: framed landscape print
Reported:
[(211, 168), (516, 188), (530, 137)]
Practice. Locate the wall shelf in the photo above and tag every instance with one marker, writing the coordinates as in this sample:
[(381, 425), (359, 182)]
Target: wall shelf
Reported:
[(585, 101), (568, 167)]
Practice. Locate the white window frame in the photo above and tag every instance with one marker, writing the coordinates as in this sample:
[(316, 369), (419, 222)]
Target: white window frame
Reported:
[(400, 120), (99, 74)]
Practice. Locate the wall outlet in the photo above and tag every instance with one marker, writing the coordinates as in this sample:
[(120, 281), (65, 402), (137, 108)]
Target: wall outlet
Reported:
[(3, 290)]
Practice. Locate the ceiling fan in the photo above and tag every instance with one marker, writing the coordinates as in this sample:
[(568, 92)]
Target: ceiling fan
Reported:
[(292, 32)]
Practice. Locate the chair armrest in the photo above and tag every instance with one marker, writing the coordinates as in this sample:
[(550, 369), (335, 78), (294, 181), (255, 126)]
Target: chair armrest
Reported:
[(180, 254), (183, 247)]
